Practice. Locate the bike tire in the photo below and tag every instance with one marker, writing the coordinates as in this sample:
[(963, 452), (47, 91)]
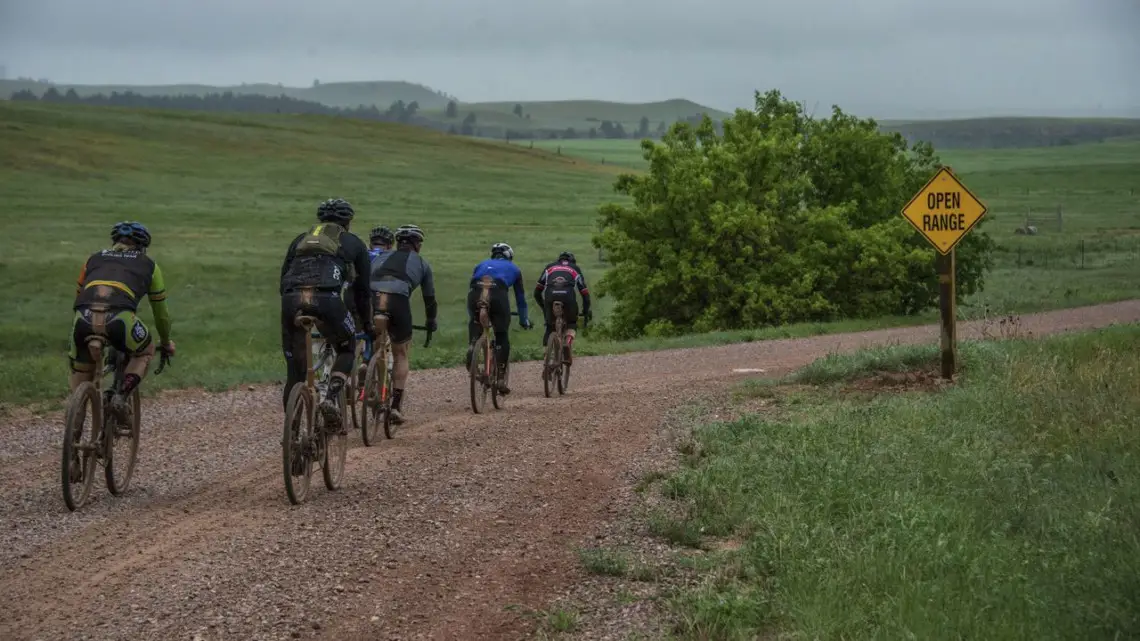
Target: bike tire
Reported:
[(549, 365), (84, 401), (297, 432), (497, 399), (356, 408), (117, 483), (478, 365), (334, 452), (564, 381), (373, 399)]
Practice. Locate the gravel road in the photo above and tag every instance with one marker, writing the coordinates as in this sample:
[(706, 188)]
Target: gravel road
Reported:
[(435, 534)]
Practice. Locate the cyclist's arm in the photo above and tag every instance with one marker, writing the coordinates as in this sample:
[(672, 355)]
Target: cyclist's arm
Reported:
[(427, 290), (361, 290), (289, 254), (82, 280), (157, 297), (539, 287), (580, 282), (520, 294)]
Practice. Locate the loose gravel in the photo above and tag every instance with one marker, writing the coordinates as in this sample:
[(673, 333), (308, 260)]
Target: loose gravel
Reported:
[(455, 529)]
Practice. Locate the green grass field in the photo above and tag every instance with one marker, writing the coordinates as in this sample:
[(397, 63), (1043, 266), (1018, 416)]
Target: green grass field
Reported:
[(224, 194), (1005, 507), (1092, 255)]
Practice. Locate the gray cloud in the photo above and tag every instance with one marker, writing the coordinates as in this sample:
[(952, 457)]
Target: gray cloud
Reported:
[(873, 55)]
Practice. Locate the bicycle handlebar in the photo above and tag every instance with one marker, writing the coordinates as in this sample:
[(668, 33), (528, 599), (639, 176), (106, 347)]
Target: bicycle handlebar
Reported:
[(424, 328)]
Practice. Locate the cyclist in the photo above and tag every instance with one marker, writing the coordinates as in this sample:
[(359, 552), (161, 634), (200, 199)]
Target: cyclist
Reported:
[(381, 240), (317, 264), (395, 275), (107, 296), (557, 283), (505, 274)]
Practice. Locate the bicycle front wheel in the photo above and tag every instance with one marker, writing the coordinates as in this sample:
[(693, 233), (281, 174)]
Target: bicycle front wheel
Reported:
[(335, 450), (296, 443), (119, 465), (374, 398), (479, 372), (79, 445)]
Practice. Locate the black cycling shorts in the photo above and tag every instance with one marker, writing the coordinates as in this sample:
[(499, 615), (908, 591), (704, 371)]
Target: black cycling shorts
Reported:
[(333, 320), (500, 308), (399, 311), (569, 308)]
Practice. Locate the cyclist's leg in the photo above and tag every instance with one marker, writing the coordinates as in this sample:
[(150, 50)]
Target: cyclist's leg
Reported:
[(400, 333), (548, 316), (501, 324), (339, 330), (82, 367), (130, 335), (474, 329), (570, 321), (292, 345)]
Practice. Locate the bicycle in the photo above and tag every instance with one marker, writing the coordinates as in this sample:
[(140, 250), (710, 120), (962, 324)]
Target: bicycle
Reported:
[(377, 396), (485, 375), (306, 439), (79, 457), (555, 369)]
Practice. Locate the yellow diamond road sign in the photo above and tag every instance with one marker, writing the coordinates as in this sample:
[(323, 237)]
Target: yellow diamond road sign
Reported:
[(944, 210)]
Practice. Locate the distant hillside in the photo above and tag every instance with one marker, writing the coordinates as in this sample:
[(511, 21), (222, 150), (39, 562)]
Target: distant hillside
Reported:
[(587, 113), (333, 94), (987, 133)]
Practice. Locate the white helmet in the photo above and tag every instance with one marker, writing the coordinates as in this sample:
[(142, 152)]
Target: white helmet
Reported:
[(504, 250)]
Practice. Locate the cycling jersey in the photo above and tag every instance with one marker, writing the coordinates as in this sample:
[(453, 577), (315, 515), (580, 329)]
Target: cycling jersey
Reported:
[(507, 273), (118, 278), (560, 276), (330, 272), (375, 253)]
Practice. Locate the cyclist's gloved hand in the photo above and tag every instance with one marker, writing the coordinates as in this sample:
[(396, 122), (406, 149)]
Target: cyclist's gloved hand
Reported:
[(589, 314), (168, 348), (525, 323), (432, 325)]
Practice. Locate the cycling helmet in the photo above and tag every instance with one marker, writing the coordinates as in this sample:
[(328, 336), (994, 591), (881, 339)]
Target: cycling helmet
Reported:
[(409, 233), (130, 230), (502, 250), (567, 256), (382, 234), (335, 210)]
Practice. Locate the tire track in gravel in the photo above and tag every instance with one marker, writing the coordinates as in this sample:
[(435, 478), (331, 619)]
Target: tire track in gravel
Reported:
[(432, 535)]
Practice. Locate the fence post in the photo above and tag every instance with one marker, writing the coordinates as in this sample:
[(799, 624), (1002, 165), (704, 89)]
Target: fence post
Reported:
[(1082, 253)]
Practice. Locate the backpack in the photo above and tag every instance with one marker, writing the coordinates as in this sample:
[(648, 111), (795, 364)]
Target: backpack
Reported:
[(323, 239)]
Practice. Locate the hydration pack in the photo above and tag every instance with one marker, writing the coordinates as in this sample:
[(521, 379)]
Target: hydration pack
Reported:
[(318, 261)]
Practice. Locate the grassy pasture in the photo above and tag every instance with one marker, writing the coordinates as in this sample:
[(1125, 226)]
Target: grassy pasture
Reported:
[(224, 194)]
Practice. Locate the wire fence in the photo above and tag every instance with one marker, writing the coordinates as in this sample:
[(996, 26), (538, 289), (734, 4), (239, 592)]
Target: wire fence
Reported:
[(1075, 254)]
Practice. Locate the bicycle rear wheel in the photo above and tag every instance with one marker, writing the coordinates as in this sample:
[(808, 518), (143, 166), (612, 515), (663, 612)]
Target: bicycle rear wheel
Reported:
[(477, 371), (335, 450), (117, 434), (550, 364), (296, 442), (79, 454)]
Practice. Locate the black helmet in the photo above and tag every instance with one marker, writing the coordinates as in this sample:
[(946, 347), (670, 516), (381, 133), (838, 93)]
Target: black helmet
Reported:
[(502, 249), (130, 230), (335, 210), (409, 233), (382, 234), (567, 256)]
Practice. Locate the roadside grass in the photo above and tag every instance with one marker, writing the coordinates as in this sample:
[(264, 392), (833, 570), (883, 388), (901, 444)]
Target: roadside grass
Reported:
[(1006, 506)]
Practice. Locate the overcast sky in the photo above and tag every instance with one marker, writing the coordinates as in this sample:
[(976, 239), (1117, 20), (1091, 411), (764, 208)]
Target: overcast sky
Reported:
[(880, 57)]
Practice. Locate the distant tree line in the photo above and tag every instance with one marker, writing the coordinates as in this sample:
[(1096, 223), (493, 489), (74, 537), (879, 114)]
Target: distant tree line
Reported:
[(398, 111)]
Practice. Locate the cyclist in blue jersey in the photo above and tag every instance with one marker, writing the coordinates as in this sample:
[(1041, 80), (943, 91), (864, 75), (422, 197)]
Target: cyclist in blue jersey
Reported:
[(505, 274), (381, 239)]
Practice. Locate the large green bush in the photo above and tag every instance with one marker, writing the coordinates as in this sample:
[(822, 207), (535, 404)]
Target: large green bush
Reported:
[(783, 218)]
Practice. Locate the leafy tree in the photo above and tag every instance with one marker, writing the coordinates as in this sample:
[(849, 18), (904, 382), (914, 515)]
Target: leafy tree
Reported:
[(468, 128), (518, 110), (643, 127), (782, 219), (661, 128), (452, 110)]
